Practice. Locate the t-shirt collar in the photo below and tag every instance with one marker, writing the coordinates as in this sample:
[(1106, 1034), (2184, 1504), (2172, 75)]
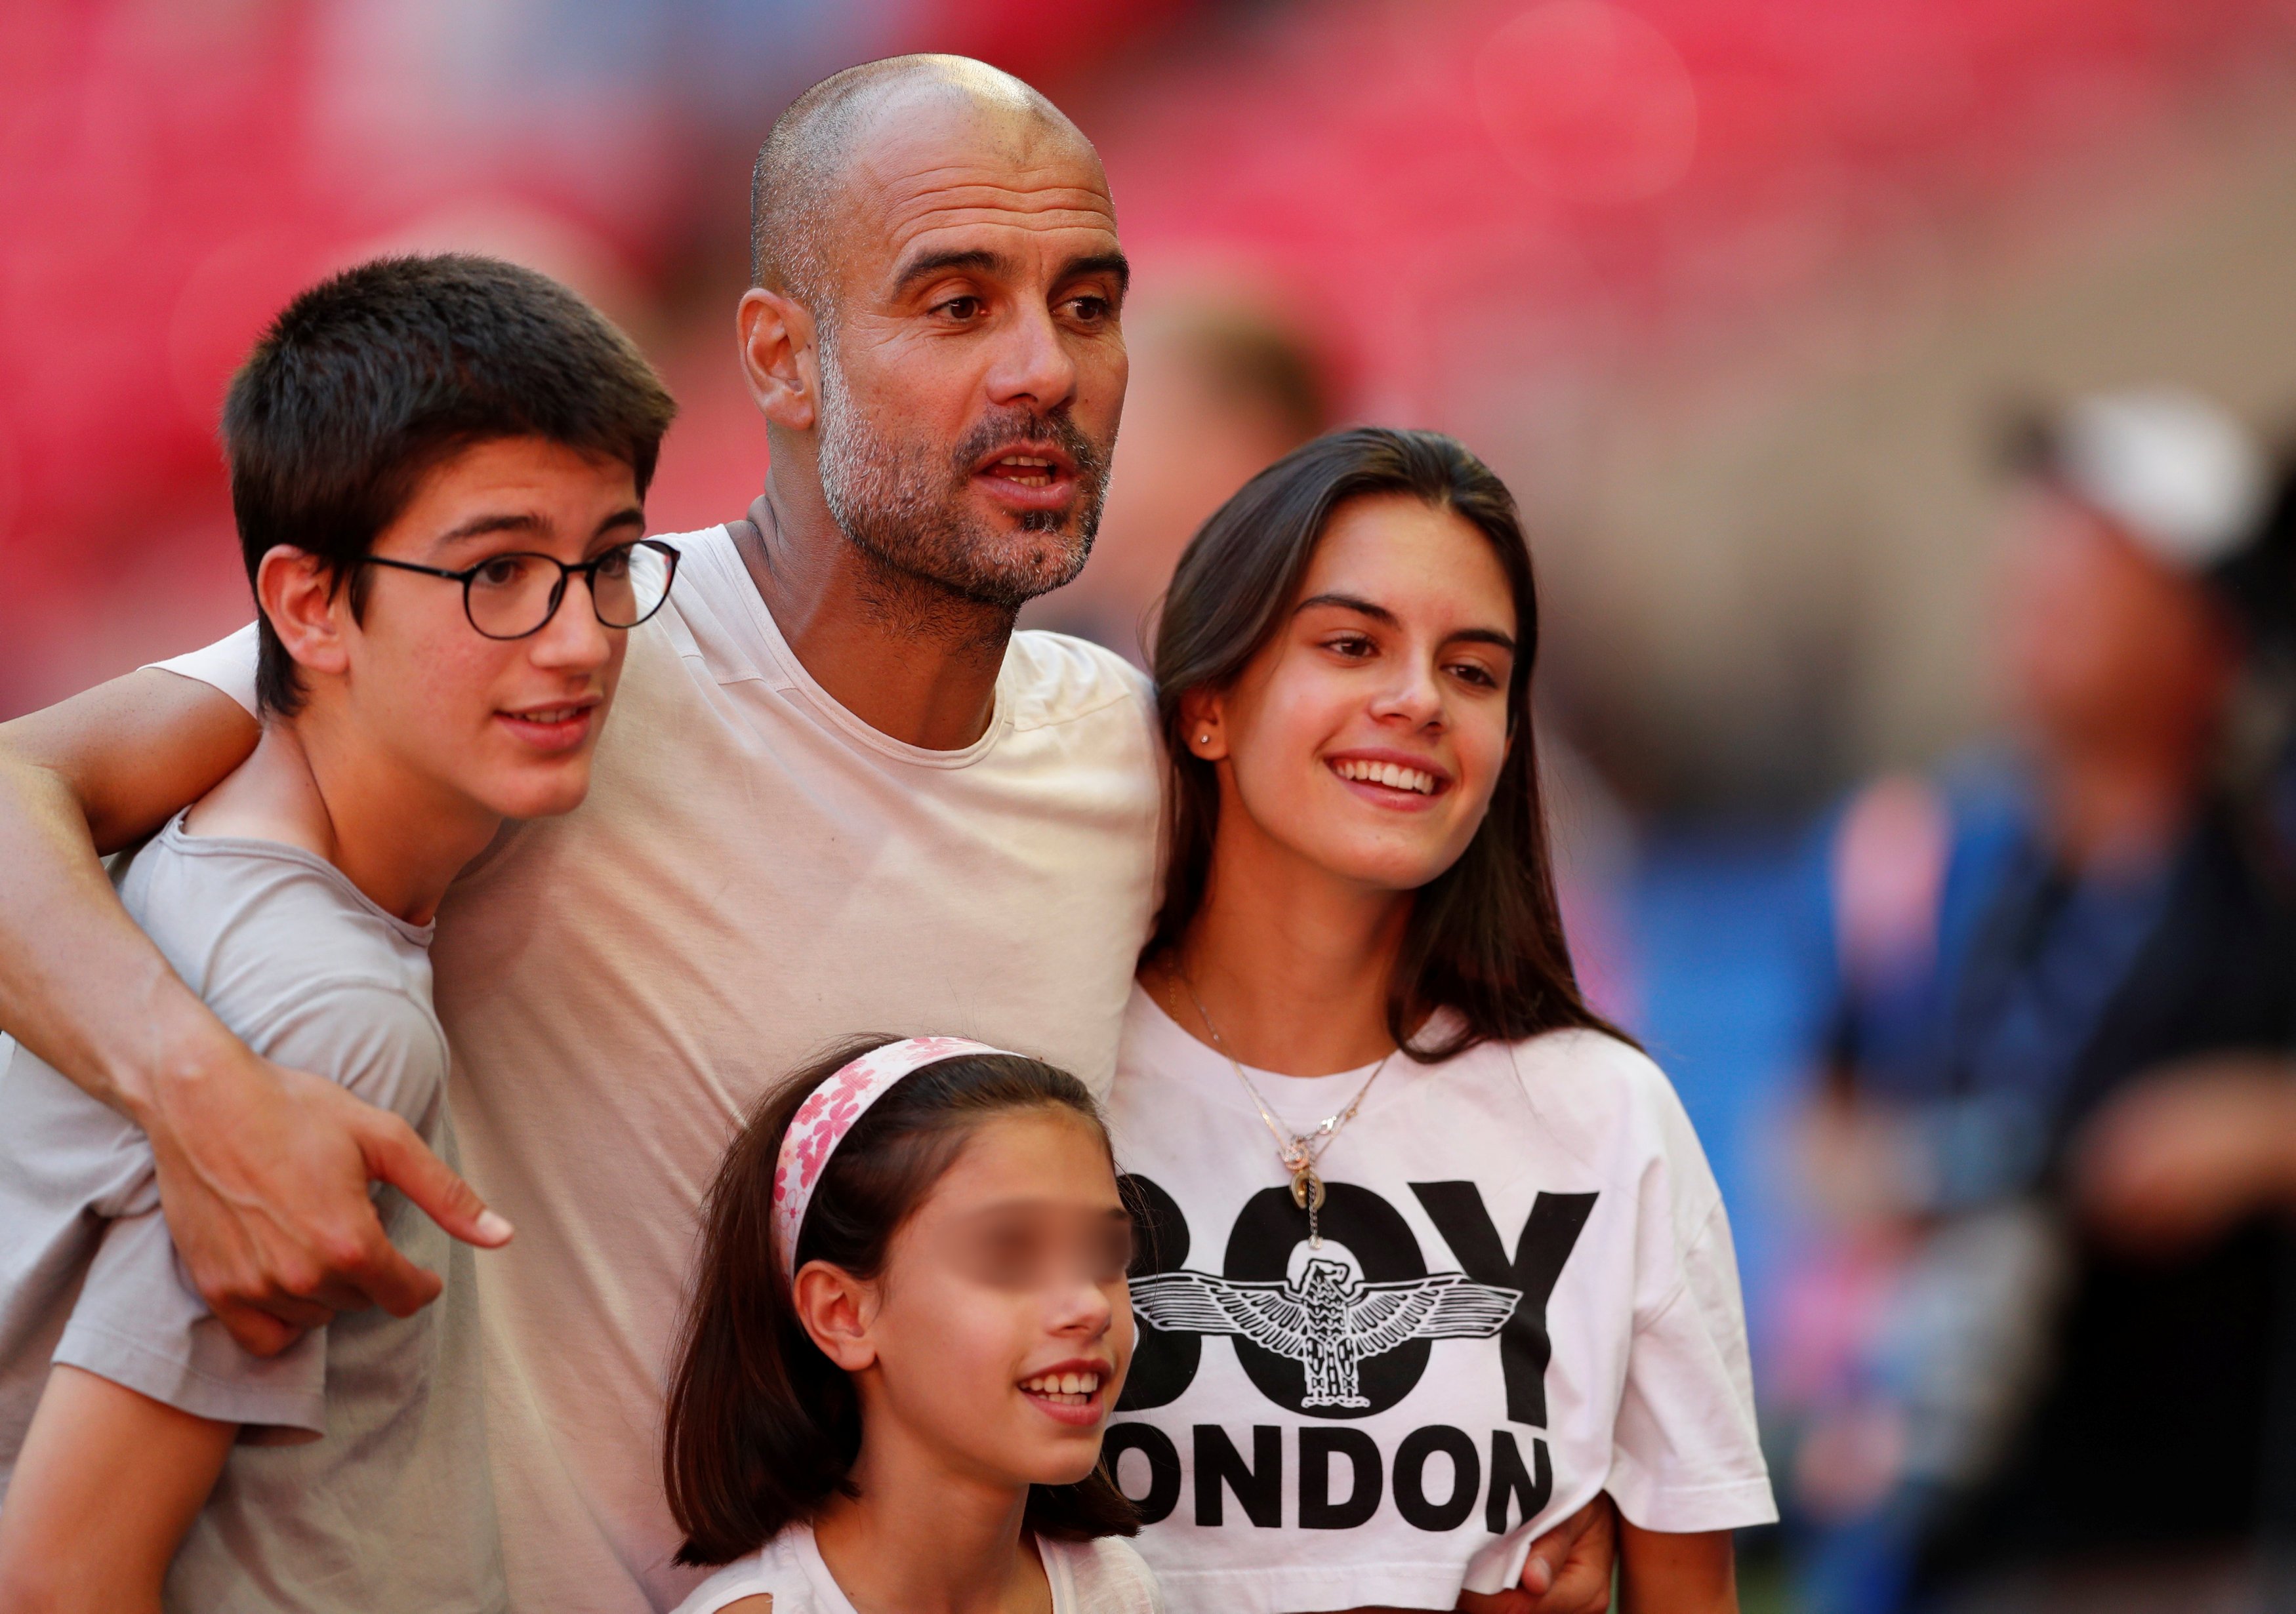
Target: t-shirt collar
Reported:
[(777, 652), (1163, 1044)]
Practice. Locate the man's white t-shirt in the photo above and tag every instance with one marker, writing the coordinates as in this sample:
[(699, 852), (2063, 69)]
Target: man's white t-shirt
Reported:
[(1526, 1294), (756, 874), (1102, 1577)]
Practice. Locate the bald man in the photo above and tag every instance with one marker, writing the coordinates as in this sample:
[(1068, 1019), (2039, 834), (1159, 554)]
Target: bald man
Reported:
[(839, 795)]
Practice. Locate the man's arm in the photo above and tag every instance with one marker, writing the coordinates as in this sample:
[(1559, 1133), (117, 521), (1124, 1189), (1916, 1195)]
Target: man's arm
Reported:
[(106, 1485), (263, 1171)]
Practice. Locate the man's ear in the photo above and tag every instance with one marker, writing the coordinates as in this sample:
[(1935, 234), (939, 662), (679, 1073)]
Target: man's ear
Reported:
[(779, 358), (308, 606), (836, 1308), (1205, 732)]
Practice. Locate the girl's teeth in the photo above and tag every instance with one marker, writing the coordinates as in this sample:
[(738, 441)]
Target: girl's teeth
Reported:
[(1063, 1384), (1389, 774)]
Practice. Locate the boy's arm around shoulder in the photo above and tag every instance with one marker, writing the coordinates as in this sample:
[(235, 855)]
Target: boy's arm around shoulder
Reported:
[(263, 1170)]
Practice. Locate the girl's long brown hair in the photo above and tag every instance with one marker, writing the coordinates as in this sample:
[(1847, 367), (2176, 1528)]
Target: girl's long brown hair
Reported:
[(1485, 937), (762, 1428)]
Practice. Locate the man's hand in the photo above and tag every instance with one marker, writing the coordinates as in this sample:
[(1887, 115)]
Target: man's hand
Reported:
[(1567, 1572), (2180, 1157), (263, 1177)]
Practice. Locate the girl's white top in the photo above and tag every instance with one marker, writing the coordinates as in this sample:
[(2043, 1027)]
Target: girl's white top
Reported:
[(1525, 1295), (1102, 1576)]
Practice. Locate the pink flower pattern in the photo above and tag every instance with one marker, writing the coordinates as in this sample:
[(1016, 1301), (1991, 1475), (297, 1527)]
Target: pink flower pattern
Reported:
[(828, 1114)]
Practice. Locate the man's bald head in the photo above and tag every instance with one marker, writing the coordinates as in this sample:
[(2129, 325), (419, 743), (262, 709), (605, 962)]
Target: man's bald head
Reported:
[(801, 172)]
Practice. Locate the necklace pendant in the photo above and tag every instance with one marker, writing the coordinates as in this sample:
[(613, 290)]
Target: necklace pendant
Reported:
[(1307, 1189)]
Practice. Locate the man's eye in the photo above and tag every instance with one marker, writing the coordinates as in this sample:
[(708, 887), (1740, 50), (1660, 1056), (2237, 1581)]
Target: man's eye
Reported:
[(1090, 310), (962, 310)]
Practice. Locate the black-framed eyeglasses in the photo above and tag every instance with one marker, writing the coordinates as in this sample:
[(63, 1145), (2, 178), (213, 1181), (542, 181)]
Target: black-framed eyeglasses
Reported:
[(514, 596)]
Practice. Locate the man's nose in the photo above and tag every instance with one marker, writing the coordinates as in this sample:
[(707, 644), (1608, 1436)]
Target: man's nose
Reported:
[(1033, 365)]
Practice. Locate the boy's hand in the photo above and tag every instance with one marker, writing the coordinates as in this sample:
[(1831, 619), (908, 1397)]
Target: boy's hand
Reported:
[(263, 1177), (1567, 1572)]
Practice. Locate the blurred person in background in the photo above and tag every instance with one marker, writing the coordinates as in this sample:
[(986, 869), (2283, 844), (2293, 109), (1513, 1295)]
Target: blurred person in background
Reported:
[(1219, 392), (2026, 1404)]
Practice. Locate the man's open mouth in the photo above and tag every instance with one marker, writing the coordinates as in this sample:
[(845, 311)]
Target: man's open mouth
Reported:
[(1034, 476), (1027, 470)]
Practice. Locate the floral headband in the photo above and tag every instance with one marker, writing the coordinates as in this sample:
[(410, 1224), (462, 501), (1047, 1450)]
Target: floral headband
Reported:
[(829, 1113)]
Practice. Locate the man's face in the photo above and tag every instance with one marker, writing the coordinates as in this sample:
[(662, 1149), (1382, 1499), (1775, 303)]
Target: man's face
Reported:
[(972, 369)]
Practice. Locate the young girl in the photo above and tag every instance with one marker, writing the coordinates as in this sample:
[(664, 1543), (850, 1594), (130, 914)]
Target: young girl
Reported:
[(1433, 1255), (909, 1327)]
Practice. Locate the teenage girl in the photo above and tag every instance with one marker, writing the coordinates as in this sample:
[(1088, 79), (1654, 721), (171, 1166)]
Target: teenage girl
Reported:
[(908, 1329), (1433, 1256)]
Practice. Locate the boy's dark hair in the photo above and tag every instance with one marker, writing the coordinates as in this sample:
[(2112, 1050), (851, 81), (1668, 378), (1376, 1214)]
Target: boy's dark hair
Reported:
[(1485, 938), (368, 380), (762, 1428)]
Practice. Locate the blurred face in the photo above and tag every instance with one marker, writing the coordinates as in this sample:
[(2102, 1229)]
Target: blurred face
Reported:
[(998, 1335), (2100, 641), (1366, 738), (507, 726), (972, 374)]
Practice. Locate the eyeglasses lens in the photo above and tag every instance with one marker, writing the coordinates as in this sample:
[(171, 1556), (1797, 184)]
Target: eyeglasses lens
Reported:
[(629, 584), (513, 595)]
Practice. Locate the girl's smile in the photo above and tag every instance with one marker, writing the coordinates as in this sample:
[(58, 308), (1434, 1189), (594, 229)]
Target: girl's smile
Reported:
[(1070, 1392)]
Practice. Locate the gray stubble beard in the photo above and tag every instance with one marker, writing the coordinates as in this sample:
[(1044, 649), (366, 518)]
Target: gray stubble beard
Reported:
[(902, 505)]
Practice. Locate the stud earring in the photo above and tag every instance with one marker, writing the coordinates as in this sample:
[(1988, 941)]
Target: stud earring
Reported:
[(1204, 739)]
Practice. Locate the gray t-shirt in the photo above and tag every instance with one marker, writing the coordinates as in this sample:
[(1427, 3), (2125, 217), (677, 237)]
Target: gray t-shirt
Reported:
[(390, 1507)]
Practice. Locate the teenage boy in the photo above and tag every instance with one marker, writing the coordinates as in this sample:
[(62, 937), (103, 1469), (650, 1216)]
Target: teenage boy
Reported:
[(437, 466)]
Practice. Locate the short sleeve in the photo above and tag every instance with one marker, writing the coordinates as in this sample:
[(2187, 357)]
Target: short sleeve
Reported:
[(227, 665), (374, 1039), (139, 1323), (1687, 1455)]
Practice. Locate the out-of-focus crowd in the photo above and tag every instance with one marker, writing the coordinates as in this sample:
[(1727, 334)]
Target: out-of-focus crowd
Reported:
[(2037, 1349)]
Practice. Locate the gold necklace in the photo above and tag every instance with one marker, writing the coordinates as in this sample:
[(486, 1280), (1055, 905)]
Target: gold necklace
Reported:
[(1300, 1152)]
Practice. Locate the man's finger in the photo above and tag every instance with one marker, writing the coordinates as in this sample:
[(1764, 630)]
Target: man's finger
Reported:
[(383, 1276), (396, 1156), (257, 1333), (299, 1315)]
